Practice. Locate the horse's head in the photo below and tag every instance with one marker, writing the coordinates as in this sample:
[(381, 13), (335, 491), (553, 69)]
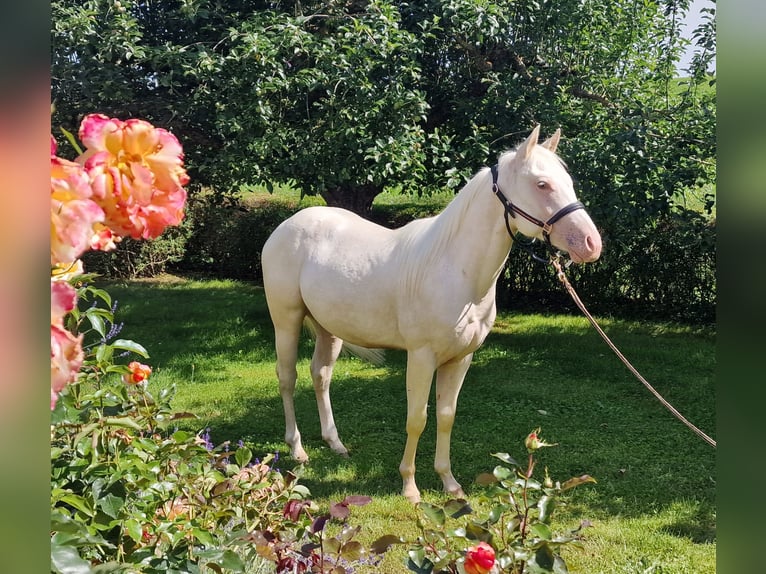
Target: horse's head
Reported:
[(543, 203)]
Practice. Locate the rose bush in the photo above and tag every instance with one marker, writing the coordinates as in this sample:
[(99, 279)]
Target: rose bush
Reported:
[(130, 492), (127, 182), (514, 536)]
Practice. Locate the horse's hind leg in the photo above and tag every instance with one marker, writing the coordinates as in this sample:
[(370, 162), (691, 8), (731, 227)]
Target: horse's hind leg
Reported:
[(287, 332), (326, 352)]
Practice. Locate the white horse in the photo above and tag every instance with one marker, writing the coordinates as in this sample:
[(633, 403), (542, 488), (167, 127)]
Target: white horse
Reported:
[(427, 287)]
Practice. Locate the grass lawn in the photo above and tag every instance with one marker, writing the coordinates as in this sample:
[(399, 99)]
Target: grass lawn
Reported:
[(652, 510)]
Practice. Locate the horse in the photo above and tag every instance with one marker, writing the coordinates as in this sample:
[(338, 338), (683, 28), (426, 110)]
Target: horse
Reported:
[(427, 287)]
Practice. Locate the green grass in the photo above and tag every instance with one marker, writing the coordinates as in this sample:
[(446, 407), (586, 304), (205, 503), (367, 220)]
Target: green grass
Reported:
[(653, 508)]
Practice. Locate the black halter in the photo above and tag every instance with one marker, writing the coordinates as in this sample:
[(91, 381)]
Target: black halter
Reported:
[(513, 210)]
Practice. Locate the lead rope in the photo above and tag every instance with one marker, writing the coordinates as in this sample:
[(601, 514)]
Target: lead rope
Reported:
[(568, 286)]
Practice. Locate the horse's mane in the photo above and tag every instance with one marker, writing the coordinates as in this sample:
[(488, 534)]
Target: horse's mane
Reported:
[(423, 241)]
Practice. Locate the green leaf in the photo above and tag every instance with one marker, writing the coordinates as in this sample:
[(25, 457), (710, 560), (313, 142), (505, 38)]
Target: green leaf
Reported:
[(540, 530), (232, 561), (71, 139), (203, 536), (543, 560), (243, 456), (385, 542), (352, 551), (104, 354), (434, 513), (180, 437), (131, 346), (133, 529), (502, 473), (458, 532), (475, 531), (111, 505), (124, 422), (457, 508), (78, 502), (505, 457), (417, 561), (497, 512), (97, 323), (104, 295), (66, 560), (332, 546), (545, 505)]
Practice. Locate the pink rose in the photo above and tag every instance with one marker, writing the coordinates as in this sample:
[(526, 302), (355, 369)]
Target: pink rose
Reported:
[(73, 212), (137, 174), (66, 349), (103, 238)]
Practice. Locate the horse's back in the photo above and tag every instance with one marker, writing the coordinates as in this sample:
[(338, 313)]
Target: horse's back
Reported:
[(317, 225), (339, 268)]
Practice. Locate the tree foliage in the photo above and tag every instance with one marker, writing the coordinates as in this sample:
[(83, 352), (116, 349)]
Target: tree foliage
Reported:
[(345, 98)]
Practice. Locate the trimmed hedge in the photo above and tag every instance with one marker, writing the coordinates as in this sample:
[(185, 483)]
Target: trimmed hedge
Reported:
[(663, 271)]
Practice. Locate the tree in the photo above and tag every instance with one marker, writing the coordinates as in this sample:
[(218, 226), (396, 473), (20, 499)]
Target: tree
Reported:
[(347, 97), (323, 94)]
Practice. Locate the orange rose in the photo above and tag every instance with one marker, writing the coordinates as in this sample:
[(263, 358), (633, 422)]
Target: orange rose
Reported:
[(138, 373)]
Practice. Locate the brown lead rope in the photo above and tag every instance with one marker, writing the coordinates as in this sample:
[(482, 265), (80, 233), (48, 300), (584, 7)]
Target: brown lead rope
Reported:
[(671, 408)]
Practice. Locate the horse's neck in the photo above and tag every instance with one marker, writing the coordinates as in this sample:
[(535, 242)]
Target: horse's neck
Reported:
[(472, 234)]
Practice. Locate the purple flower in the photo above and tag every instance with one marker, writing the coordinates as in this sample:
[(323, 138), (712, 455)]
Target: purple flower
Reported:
[(206, 437)]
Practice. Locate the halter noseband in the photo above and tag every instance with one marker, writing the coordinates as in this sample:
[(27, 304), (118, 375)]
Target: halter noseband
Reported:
[(513, 210)]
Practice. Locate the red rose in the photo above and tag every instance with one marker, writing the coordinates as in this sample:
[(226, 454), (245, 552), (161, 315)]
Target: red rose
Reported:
[(479, 559)]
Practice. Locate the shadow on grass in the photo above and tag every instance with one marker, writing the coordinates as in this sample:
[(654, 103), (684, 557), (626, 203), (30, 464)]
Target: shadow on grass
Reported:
[(553, 373)]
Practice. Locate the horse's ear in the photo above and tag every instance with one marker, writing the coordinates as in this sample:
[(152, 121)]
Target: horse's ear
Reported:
[(530, 143), (552, 142)]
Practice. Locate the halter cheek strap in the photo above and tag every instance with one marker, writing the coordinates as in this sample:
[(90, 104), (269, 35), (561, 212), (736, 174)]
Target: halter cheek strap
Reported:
[(513, 210)]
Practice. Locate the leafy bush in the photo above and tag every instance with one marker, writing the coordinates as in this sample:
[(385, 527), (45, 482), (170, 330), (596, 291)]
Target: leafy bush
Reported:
[(515, 532), (228, 236), (135, 258), (129, 493)]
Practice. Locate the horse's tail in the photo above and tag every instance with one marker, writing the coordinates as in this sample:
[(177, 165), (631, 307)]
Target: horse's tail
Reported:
[(373, 356)]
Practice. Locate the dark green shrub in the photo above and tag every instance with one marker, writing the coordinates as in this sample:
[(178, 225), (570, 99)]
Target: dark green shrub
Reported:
[(664, 270), (137, 258), (228, 237)]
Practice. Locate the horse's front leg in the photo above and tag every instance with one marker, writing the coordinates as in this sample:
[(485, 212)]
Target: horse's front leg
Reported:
[(449, 379), (420, 372)]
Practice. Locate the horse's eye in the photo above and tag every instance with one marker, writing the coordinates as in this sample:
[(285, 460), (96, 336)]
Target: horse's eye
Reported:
[(542, 184)]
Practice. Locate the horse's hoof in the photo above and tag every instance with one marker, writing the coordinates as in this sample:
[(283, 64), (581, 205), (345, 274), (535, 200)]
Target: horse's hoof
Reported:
[(456, 493), (339, 449), (300, 457), (413, 497)]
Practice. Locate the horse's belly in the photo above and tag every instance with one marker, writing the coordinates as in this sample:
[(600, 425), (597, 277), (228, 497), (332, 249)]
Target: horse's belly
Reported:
[(351, 304)]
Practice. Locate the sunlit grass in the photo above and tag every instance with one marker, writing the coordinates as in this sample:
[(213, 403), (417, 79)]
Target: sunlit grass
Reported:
[(652, 510)]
